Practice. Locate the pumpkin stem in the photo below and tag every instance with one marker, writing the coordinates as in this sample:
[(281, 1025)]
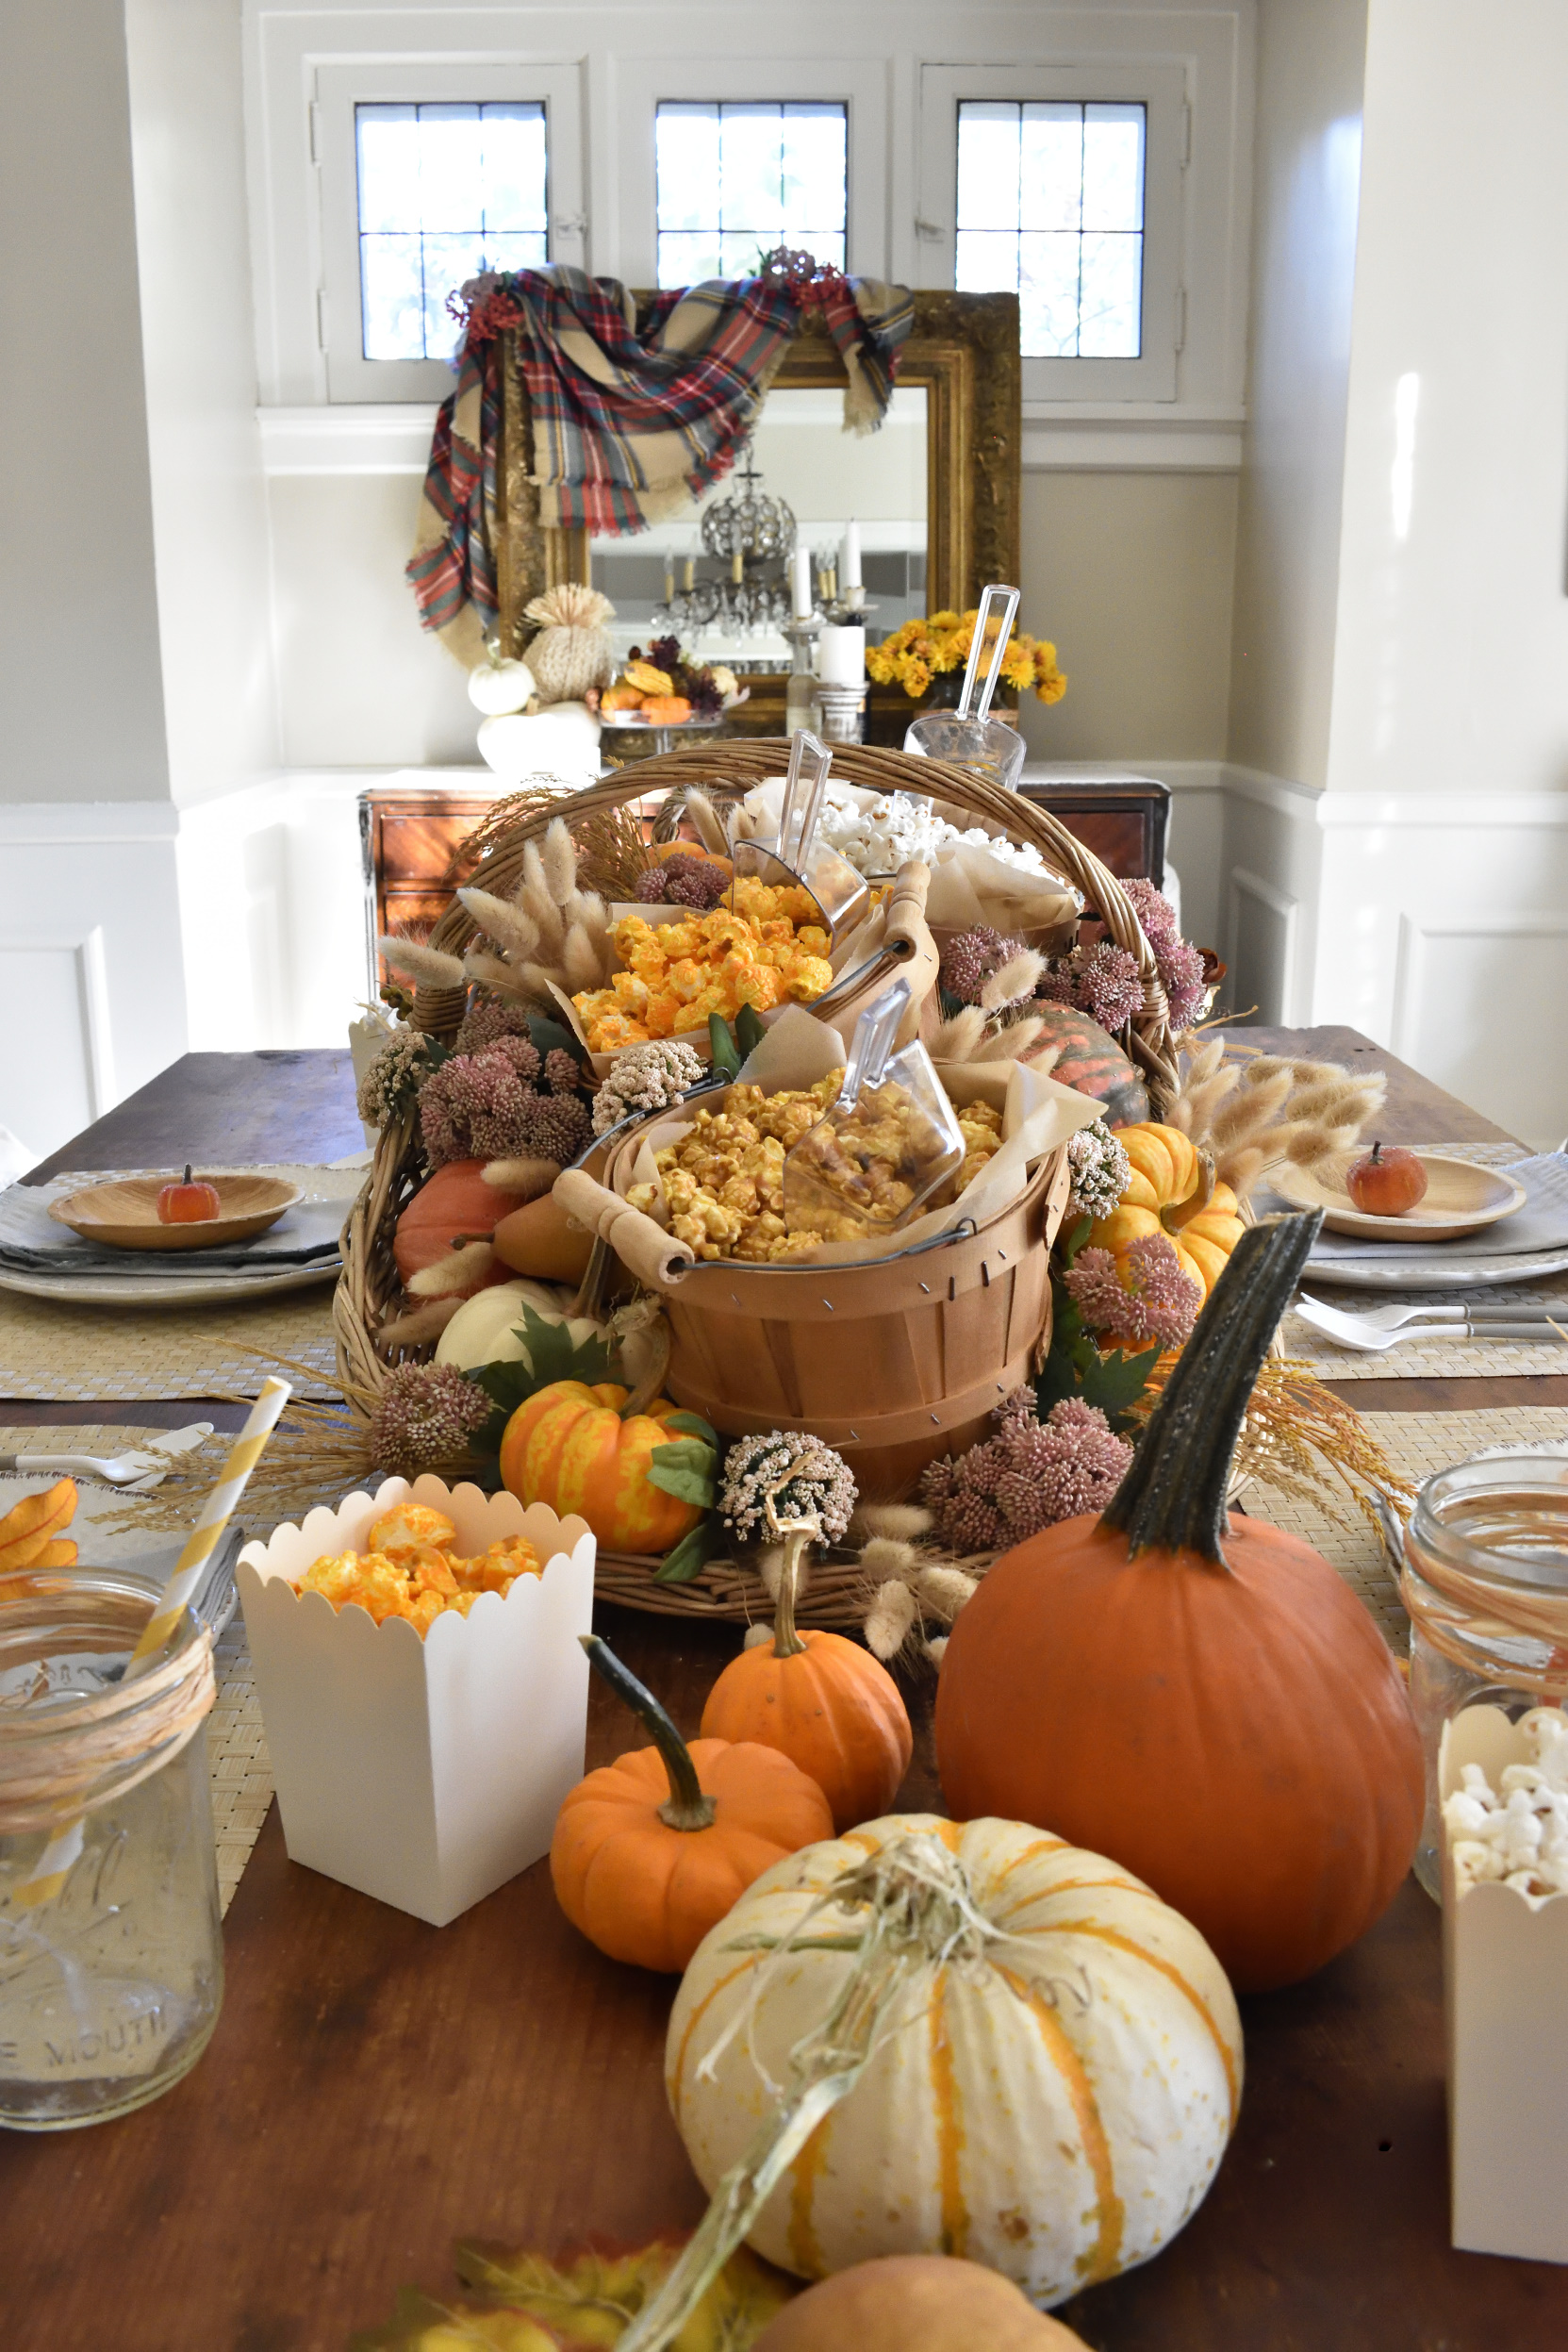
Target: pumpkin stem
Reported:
[(786, 1642), (185, 1178), (688, 1806), (1173, 1496)]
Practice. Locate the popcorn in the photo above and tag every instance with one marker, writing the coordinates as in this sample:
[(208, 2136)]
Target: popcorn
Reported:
[(769, 949), (411, 1571), (884, 835), (1520, 1835)]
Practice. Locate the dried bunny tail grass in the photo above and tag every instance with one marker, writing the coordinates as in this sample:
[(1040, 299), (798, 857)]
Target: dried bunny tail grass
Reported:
[(903, 1522), (462, 1269), (890, 1620), (1339, 1100), (535, 982), (425, 964), (959, 1039), (581, 961), (1249, 1111), (1195, 1113), (559, 860), (1018, 977), (514, 932), (884, 1556), (1241, 1170), (945, 1589), (494, 832), (533, 895), (706, 822), (612, 856), (528, 1178), (1011, 1044), (493, 973)]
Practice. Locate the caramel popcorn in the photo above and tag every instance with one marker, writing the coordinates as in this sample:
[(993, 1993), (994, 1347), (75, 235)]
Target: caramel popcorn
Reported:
[(769, 949), (411, 1571), (865, 1170)]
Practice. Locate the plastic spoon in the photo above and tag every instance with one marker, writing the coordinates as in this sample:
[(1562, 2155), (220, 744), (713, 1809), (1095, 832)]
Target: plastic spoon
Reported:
[(839, 1180), (793, 856), (985, 745)]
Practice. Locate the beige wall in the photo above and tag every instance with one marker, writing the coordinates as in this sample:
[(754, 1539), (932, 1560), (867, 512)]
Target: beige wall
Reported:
[(1130, 574), (1310, 61)]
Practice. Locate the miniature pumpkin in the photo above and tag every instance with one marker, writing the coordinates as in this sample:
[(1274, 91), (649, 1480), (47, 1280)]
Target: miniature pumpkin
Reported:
[(650, 1851), (1055, 2067), (539, 1240), (1090, 1061), (1206, 1700), (568, 1446), (485, 1328), (456, 1204), (916, 2303), (1164, 1195), (187, 1203), (821, 1700), (667, 710), (498, 687), (29, 1529)]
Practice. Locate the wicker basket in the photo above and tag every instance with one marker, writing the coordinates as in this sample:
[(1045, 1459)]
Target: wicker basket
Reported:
[(945, 1340)]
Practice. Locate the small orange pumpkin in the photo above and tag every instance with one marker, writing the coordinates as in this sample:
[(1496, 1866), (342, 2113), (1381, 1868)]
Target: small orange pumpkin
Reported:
[(650, 1851), (568, 1446), (456, 1204), (1164, 1195), (824, 1703)]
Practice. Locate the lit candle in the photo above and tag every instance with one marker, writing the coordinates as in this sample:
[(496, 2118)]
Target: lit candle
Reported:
[(852, 555), (801, 586), (690, 579)]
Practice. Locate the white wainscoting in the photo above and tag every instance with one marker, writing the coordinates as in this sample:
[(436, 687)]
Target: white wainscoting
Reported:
[(91, 971)]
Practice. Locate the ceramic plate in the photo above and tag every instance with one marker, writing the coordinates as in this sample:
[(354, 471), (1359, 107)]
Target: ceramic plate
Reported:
[(168, 1290), (123, 1214), (1421, 1274), (1459, 1198)]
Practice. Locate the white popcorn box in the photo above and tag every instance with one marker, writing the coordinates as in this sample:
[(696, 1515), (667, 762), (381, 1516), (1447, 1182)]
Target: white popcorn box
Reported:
[(423, 1772), (1505, 1975)]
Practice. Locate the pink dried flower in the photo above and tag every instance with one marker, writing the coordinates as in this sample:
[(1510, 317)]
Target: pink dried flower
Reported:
[(968, 961), (1155, 913), (488, 1018), (428, 1413), (1181, 972), (1151, 1299), (562, 1074), (479, 1107), (1058, 984), (1028, 1476), (1109, 987)]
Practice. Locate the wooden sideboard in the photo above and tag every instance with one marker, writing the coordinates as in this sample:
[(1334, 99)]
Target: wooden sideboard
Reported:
[(1124, 819)]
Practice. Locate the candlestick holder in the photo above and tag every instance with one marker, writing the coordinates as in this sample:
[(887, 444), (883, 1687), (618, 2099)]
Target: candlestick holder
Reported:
[(843, 713)]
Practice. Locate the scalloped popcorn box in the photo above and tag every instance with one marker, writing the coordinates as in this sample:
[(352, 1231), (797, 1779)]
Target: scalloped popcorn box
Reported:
[(423, 1772), (1505, 1983)]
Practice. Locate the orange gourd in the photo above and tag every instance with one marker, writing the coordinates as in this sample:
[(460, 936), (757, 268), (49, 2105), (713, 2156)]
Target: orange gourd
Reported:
[(667, 710), (568, 1447), (1164, 1195), (30, 1532), (824, 1703), (1203, 1699), (456, 1205), (650, 1851)]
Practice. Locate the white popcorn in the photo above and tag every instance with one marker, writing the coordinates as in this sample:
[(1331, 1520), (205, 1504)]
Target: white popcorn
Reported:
[(1519, 1833), (882, 835)]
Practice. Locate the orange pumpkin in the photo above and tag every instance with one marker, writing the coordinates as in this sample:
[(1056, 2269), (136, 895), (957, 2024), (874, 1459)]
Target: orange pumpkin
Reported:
[(568, 1447), (650, 1852), (29, 1529), (456, 1204), (824, 1703), (666, 710), (1206, 1701)]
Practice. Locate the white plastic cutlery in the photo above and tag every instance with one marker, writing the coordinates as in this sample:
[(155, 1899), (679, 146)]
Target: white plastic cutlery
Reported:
[(1388, 1327), (137, 1472)]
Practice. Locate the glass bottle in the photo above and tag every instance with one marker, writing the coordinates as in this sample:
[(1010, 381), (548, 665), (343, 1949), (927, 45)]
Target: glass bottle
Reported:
[(111, 1969)]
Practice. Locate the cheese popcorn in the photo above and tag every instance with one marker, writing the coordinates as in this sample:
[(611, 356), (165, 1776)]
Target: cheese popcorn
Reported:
[(412, 1571), (769, 948)]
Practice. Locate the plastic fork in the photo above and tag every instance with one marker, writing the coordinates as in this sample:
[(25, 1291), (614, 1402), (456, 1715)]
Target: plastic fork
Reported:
[(137, 1472), (1351, 1331), (1392, 1318)]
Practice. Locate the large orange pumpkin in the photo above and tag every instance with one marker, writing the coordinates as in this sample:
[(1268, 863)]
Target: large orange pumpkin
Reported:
[(650, 1852), (568, 1447), (824, 1703), (456, 1205), (1204, 1699)]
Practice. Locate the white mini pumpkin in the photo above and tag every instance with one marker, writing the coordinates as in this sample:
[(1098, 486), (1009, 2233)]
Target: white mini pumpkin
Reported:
[(485, 1328), (497, 688), (1053, 2099)]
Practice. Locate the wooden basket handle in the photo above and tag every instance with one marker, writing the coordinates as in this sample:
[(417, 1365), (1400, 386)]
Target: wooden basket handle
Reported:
[(653, 1255)]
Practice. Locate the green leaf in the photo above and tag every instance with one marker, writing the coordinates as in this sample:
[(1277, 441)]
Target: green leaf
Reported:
[(695, 1426), (689, 1557), (1116, 1381), (547, 1036), (749, 1031), (726, 1061), (551, 1356), (1069, 1245), (685, 1471)]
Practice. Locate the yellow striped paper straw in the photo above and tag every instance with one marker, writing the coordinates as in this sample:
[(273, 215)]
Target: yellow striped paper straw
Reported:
[(50, 1871)]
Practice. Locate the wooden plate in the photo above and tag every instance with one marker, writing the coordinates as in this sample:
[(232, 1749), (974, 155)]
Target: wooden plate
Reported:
[(1459, 1197), (123, 1216)]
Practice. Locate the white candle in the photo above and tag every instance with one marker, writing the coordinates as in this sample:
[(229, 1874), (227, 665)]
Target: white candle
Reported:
[(801, 586), (841, 656), (852, 555)]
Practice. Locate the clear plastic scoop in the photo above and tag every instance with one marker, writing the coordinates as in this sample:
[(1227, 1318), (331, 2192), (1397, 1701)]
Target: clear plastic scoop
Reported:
[(793, 856), (887, 1143), (987, 746)]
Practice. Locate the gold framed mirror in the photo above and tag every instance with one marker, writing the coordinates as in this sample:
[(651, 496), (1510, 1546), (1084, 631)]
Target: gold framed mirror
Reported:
[(960, 365)]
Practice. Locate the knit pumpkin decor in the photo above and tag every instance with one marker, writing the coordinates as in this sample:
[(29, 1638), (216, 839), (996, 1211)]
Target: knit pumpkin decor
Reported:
[(572, 652)]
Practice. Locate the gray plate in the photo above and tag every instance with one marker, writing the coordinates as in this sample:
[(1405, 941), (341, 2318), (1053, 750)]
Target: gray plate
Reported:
[(1413, 1272)]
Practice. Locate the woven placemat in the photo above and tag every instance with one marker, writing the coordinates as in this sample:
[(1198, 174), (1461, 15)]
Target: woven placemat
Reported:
[(1453, 1355)]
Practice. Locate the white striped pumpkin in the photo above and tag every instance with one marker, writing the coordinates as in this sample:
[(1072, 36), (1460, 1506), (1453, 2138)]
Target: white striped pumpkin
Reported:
[(1053, 2105)]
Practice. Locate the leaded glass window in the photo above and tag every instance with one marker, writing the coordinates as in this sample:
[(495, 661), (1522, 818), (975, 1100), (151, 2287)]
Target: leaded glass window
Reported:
[(445, 189), (737, 179), (1050, 205)]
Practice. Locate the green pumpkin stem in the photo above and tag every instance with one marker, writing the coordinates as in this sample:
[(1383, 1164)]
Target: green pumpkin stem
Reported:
[(687, 1807), (1173, 1496), (786, 1642)]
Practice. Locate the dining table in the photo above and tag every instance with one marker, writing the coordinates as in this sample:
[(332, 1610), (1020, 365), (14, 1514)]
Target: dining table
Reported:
[(378, 2088)]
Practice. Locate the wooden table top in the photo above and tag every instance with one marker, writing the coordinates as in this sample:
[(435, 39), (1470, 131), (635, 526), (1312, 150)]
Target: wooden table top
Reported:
[(377, 2088)]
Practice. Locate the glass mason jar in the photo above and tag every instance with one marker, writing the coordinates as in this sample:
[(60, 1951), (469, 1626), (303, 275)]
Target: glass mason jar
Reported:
[(1485, 1579), (111, 1966)]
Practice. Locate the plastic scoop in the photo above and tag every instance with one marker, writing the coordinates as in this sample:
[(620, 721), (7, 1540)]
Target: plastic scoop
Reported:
[(793, 856), (887, 1143), (985, 745)]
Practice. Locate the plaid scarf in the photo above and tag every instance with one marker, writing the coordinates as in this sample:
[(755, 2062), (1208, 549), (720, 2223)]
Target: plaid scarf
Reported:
[(628, 426)]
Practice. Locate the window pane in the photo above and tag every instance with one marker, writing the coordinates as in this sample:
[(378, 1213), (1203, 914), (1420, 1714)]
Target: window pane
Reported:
[(737, 179), (444, 189), (1076, 256), (988, 165), (1111, 298), (1051, 167), (1113, 167)]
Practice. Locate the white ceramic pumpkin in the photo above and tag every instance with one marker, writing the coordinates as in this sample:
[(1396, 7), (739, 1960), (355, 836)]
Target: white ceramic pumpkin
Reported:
[(1054, 2102), (485, 1328), (498, 686)]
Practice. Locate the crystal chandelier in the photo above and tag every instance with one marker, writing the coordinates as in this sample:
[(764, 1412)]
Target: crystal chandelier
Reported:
[(753, 535)]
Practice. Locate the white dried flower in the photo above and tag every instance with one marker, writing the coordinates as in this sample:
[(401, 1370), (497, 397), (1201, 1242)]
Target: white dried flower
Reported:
[(651, 1077), (1101, 1170)]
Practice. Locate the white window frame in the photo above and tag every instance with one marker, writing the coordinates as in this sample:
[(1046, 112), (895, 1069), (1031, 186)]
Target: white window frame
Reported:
[(1161, 88), (859, 85), (371, 82)]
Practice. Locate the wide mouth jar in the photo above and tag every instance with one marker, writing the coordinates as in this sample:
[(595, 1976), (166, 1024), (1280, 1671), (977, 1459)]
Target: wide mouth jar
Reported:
[(110, 1946)]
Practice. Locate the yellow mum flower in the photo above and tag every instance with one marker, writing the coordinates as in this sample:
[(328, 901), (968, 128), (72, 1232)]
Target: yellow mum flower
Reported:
[(916, 677)]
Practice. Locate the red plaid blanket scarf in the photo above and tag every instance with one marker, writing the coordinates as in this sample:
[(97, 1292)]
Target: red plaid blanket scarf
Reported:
[(628, 427)]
